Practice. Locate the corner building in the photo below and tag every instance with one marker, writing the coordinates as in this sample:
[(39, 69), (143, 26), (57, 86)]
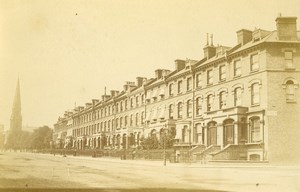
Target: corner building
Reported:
[(237, 103)]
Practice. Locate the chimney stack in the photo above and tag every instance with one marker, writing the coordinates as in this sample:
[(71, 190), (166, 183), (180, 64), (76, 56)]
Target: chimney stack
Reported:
[(244, 36), (140, 81), (114, 93), (158, 73), (179, 64), (286, 28), (209, 50)]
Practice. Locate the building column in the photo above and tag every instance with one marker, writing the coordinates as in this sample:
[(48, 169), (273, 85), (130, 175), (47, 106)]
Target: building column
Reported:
[(236, 133), (205, 136)]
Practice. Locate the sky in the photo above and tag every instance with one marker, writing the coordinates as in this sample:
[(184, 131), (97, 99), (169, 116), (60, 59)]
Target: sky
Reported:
[(66, 51)]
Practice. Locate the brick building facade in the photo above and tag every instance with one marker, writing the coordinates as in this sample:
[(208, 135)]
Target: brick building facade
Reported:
[(237, 103)]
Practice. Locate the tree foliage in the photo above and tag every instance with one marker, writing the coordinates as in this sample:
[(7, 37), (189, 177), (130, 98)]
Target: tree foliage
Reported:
[(39, 139)]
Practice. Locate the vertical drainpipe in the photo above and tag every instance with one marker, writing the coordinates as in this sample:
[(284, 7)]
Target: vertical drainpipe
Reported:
[(193, 108)]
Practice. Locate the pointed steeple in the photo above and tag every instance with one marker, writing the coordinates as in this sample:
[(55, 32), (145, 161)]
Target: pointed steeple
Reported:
[(16, 117)]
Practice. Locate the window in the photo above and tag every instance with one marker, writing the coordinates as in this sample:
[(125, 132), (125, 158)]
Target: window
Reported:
[(222, 100), (136, 119), (228, 126), (222, 73), (209, 102), (108, 125), (117, 109), (143, 99), (237, 68), (255, 94), (171, 90), (198, 80), (137, 101), (189, 108), (131, 120), (179, 86), (254, 62), (109, 110), (126, 121), (237, 96), (179, 110), (210, 77), (125, 104), (198, 105), (117, 123), (255, 129), (290, 91), (142, 118), (131, 102), (288, 56), (171, 111), (189, 84), (121, 122), (121, 106)]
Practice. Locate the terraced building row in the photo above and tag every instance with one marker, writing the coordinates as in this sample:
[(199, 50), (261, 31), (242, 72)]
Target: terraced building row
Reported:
[(237, 103)]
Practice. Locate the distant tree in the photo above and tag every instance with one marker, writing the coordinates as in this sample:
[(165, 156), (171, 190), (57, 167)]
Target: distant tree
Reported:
[(18, 140), (41, 138), (150, 142)]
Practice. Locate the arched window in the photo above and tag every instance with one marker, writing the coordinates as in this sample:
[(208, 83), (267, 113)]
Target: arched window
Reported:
[(198, 105), (209, 102), (125, 104), (255, 129), (228, 131), (171, 111), (117, 124), (121, 106), (212, 133), (179, 110), (189, 108), (222, 100), (179, 87), (131, 102), (121, 122), (171, 90), (142, 118), (126, 121), (136, 119), (137, 101), (238, 96), (290, 91), (117, 109), (143, 99), (255, 94), (131, 120)]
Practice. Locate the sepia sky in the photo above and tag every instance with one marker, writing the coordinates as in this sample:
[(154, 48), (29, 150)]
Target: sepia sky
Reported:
[(66, 51)]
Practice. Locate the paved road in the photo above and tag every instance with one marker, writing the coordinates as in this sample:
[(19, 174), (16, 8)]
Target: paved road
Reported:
[(36, 171)]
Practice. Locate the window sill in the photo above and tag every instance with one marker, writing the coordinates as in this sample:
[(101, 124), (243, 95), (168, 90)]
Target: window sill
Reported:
[(290, 68), (291, 101), (255, 105), (254, 71), (222, 80), (237, 76), (209, 85)]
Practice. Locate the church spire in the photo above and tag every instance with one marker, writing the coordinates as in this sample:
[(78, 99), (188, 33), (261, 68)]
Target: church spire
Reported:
[(16, 117)]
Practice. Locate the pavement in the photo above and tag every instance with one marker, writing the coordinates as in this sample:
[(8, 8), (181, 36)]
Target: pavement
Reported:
[(32, 171)]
